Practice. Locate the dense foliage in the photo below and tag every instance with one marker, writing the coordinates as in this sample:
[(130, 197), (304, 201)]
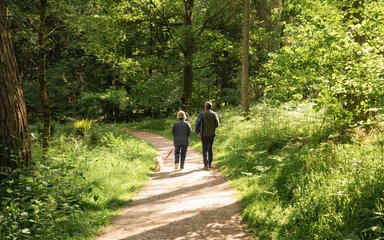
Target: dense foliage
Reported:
[(77, 187), (298, 179), (125, 59), (332, 53)]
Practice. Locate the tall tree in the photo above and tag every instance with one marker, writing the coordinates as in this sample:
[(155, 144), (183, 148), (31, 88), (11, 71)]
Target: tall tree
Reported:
[(186, 23), (245, 60), (42, 77), (188, 49), (15, 145)]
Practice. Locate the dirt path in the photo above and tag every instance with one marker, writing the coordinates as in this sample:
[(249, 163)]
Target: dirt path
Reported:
[(189, 204)]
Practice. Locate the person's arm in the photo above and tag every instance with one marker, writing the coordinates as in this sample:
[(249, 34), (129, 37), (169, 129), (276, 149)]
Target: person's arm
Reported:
[(173, 130), (198, 124), (189, 130), (217, 123)]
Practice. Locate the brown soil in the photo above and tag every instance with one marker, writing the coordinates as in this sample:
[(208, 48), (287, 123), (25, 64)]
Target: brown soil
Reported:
[(180, 205)]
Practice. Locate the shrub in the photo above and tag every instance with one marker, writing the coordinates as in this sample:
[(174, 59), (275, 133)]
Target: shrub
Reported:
[(74, 190), (297, 181), (82, 127)]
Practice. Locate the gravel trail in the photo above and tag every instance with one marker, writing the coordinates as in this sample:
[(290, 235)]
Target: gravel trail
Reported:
[(180, 205)]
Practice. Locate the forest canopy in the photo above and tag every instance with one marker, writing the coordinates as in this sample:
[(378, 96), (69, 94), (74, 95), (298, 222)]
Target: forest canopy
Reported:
[(121, 60)]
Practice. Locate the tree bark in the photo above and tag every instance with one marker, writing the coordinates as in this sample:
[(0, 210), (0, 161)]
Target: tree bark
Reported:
[(283, 22), (188, 55), (245, 60), (15, 144), (42, 77)]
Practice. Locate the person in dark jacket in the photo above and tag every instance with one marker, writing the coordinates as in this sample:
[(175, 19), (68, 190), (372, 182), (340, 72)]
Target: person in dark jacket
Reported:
[(181, 130), (206, 125)]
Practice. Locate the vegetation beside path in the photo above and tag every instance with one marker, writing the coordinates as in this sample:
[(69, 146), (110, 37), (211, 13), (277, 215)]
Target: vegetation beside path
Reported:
[(90, 172), (298, 178)]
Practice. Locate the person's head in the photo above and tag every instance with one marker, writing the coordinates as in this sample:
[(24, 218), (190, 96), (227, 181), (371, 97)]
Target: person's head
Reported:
[(208, 106), (181, 115)]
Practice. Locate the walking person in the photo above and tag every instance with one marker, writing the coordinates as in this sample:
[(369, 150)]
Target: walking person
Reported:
[(206, 125), (181, 130)]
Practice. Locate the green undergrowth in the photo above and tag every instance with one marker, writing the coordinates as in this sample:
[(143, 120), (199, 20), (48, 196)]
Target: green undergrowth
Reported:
[(78, 187), (296, 176), (299, 179)]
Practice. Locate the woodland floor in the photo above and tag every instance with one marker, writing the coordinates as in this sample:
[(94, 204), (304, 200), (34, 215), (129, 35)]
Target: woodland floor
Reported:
[(189, 204)]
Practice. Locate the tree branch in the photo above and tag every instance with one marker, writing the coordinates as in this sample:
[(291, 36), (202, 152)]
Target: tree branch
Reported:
[(54, 29), (200, 31), (165, 23), (371, 40)]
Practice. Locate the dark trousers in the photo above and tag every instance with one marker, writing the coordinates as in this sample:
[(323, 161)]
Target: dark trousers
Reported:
[(207, 142), (180, 154)]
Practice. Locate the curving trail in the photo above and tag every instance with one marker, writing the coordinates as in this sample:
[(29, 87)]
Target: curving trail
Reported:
[(179, 205)]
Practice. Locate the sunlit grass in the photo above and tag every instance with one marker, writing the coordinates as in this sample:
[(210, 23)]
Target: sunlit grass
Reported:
[(79, 187), (114, 170), (296, 180)]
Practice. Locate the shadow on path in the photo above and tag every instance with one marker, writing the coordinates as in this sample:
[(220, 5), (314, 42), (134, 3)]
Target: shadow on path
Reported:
[(189, 204), (221, 225)]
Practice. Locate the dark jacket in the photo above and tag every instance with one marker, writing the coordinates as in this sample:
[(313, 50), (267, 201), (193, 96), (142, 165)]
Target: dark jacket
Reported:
[(210, 121), (181, 130)]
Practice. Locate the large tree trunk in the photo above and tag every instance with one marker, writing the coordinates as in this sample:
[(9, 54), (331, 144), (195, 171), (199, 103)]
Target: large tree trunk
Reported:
[(15, 145), (188, 55), (245, 60), (42, 78)]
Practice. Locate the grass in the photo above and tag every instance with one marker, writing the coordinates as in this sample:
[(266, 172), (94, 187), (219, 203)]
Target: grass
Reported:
[(296, 177), (297, 181), (78, 187)]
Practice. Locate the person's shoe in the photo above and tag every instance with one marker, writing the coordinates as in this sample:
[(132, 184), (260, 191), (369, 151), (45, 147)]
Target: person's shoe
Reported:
[(176, 166), (206, 168)]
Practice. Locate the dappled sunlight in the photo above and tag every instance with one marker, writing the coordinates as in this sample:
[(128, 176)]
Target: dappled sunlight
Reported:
[(188, 204)]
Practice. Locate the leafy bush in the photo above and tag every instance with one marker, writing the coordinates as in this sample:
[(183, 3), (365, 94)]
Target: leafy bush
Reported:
[(76, 188), (33, 199), (296, 180), (40, 127), (327, 59), (105, 105)]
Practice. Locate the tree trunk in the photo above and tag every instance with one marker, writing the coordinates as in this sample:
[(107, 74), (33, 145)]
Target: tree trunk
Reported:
[(15, 145), (283, 22), (42, 78), (245, 60), (188, 55)]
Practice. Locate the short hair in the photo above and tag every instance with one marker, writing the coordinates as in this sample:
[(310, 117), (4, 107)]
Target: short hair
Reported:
[(181, 114), (208, 105)]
